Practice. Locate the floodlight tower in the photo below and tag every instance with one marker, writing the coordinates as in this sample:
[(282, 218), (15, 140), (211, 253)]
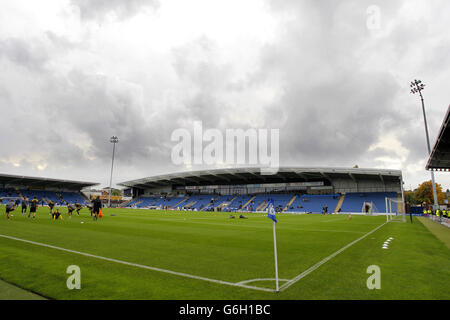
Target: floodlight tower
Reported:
[(418, 86), (113, 140)]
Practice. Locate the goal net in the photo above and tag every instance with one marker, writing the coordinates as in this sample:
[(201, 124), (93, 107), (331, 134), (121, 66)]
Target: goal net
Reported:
[(394, 209)]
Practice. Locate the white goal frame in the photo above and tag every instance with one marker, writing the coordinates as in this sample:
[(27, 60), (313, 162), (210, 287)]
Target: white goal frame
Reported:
[(389, 212)]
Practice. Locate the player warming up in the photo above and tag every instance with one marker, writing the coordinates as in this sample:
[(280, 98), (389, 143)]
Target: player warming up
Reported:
[(33, 207), (24, 205), (96, 206), (56, 214), (89, 206), (51, 205), (79, 207), (10, 206), (70, 209)]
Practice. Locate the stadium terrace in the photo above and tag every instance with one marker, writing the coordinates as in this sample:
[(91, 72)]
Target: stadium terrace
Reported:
[(14, 187), (292, 189)]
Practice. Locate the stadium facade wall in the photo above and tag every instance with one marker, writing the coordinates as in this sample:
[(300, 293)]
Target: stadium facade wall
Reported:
[(37, 188), (339, 185), (343, 185)]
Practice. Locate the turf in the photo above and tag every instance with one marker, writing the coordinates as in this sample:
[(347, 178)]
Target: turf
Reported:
[(11, 292), (440, 231), (213, 246)]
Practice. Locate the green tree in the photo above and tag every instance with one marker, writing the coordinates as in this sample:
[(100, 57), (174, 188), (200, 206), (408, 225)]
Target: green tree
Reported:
[(411, 197), (115, 192), (425, 193)]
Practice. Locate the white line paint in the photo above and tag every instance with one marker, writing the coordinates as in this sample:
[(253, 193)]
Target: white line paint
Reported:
[(317, 265), (181, 274), (261, 279)]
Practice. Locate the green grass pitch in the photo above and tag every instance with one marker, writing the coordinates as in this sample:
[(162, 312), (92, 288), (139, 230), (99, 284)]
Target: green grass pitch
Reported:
[(196, 255)]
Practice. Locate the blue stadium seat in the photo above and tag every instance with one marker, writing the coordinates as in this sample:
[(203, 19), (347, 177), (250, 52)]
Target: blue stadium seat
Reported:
[(354, 201)]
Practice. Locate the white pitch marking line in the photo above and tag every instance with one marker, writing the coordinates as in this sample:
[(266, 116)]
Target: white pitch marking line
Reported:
[(317, 265), (181, 274), (261, 279)]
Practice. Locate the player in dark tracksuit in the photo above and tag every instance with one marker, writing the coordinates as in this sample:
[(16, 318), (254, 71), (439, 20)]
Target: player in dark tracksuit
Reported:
[(24, 205), (51, 205), (70, 209), (10, 206), (79, 207), (96, 206), (33, 207), (89, 206), (56, 214)]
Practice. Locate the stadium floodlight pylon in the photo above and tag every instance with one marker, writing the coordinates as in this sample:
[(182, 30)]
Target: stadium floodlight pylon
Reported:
[(418, 86), (113, 140)]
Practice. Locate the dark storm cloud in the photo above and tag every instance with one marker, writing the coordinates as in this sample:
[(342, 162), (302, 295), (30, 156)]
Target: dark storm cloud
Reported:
[(332, 108), (30, 55), (325, 123), (195, 65), (5, 96), (337, 89), (123, 9), (100, 107)]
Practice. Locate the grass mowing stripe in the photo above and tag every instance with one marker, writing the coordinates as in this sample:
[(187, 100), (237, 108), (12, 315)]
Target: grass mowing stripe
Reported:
[(256, 226), (9, 291), (317, 265), (181, 274), (441, 232)]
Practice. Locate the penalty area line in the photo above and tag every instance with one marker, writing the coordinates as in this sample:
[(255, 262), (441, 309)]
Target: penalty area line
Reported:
[(317, 265), (181, 274)]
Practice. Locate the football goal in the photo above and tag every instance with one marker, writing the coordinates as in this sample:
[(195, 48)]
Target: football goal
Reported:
[(392, 211)]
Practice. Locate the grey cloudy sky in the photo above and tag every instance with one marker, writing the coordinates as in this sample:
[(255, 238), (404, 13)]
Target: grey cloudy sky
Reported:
[(75, 72)]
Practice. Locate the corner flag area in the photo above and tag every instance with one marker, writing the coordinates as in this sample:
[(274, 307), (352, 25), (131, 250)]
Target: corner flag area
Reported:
[(158, 254)]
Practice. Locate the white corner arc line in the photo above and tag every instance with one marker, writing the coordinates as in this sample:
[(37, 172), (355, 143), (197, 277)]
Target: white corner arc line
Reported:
[(181, 274), (317, 265)]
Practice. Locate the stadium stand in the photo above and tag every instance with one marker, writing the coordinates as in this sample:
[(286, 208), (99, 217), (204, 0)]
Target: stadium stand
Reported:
[(303, 203), (41, 195), (73, 197), (354, 201), (314, 203), (238, 203), (293, 189), (223, 202), (7, 194), (200, 202), (44, 189)]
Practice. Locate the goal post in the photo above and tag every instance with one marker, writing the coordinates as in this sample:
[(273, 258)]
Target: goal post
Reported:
[(392, 210)]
